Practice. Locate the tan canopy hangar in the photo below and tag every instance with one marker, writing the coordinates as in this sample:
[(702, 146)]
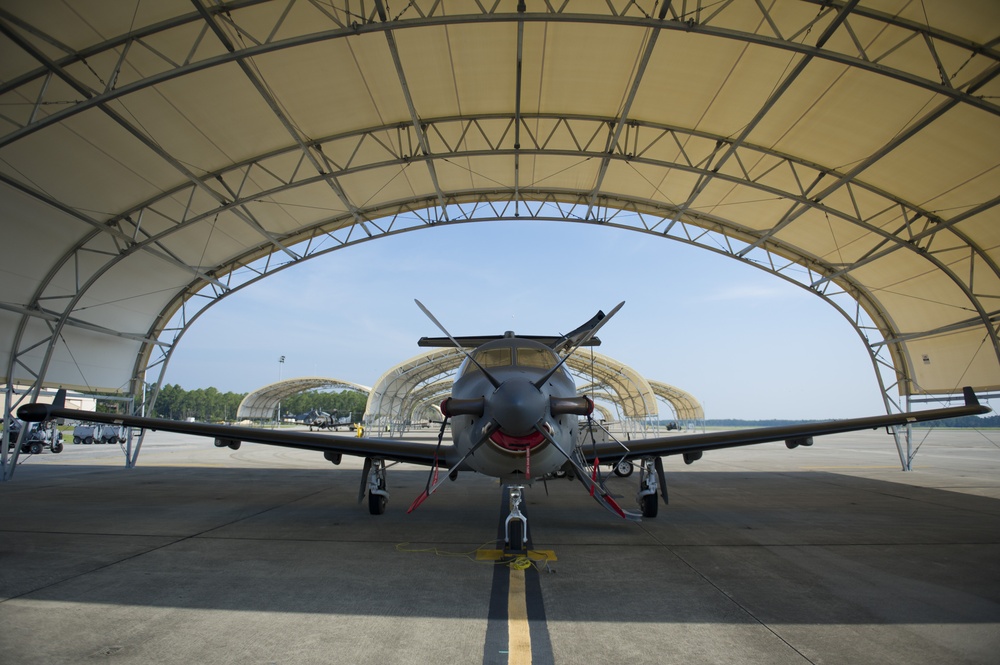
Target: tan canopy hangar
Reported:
[(408, 391), (158, 156), (262, 404)]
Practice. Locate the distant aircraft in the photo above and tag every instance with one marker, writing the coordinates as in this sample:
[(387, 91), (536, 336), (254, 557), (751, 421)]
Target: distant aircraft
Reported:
[(514, 412), (322, 420)]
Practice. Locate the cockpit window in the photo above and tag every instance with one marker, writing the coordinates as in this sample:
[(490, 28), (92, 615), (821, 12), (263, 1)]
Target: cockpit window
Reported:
[(542, 358), (494, 357)]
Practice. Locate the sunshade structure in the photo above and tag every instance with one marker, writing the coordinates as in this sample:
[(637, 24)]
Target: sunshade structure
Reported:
[(407, 392), (261, 404), (683, 403), (156, 156)]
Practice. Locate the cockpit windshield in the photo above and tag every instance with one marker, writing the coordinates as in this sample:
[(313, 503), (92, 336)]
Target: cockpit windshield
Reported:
[(494, 357), (531, 357), (522, 356)]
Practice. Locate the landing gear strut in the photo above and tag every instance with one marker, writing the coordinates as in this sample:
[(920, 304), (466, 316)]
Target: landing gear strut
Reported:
[(378, 496), (516, 525), (648, 487)]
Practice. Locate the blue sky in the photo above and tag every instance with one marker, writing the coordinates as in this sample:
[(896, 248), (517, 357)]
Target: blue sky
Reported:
[(745, 343)]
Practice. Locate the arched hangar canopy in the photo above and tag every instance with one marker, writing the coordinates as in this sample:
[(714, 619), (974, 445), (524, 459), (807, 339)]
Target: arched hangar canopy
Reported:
[(631, 390), (262, 402), (394, 395), (408, 388), (684, 404), (156, 156)]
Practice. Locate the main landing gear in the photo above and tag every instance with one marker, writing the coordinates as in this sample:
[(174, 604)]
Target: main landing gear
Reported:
[(378, 495), (516, 524), (650, 476)]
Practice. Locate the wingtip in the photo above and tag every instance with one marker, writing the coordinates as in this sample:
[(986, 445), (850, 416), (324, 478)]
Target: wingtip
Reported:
[(37, 412), (970, 396), (34, 413)]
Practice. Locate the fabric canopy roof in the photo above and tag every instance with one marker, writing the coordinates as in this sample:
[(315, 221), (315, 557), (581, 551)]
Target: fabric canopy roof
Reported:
[(156, 156), (263, 402), (404, 391)]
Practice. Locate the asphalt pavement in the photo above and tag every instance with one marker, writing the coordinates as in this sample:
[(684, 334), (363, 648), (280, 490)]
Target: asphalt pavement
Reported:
[(828, 554)]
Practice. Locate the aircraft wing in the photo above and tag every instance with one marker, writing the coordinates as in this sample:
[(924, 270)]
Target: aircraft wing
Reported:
[(792, 435), (398, 450)]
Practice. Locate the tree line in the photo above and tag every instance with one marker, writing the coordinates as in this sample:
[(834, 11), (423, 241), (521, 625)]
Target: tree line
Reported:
[(341, 404), (211, 405)]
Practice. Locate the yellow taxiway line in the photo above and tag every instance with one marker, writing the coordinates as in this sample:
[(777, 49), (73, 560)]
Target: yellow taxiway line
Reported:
[(518, 633)]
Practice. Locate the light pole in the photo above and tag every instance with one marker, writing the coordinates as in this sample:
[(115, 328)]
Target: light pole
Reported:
[(281, 361)]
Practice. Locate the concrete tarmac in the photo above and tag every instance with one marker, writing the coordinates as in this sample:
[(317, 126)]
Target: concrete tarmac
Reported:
[(828, 554)]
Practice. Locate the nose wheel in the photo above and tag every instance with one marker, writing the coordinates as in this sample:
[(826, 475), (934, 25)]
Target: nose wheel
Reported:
[(516, 524)]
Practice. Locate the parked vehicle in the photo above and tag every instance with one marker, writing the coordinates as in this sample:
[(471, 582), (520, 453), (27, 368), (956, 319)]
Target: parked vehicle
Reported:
[(111, 434), (39, 437), (87, 434), (84, 434)]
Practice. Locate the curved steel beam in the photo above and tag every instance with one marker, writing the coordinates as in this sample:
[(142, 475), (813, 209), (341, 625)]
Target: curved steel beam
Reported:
[(433, 15)]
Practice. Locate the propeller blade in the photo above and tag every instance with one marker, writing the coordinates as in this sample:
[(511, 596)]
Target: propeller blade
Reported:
[(416, 502), (431, 488), (427, 313), (601, 495), (571, 338), (580, 341)]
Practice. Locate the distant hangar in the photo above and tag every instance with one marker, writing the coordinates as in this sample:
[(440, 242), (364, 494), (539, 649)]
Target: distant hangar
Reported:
[(412, 390)]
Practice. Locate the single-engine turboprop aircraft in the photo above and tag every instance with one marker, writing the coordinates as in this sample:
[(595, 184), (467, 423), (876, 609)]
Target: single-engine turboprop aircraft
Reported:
[(323, 420), (514, 411)]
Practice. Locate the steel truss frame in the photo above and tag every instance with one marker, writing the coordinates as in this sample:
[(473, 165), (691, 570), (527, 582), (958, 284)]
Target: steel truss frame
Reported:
[(100, 75), (419, 384), (348, 18)]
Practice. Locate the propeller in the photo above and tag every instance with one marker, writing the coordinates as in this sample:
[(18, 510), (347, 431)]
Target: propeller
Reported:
[(516, 406), (453, 407), (490, 377), (580, 339)]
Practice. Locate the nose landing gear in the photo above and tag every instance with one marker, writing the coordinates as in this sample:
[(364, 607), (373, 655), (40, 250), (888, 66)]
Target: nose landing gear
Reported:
[(516, 524)]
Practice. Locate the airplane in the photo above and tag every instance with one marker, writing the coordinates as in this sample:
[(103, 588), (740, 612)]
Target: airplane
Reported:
[(322, 420), (514, 412)]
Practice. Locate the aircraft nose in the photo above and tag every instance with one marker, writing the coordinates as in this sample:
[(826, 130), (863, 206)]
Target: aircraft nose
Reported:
[(517, 406)]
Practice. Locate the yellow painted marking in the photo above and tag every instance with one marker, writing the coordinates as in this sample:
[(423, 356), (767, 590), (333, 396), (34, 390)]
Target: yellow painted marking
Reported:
[(518, 635), (499, 555)]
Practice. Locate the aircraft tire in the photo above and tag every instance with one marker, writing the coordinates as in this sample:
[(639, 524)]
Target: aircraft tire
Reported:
[(650, 505), (376, 503), (57, 447), (516, 530), (624, 469)]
